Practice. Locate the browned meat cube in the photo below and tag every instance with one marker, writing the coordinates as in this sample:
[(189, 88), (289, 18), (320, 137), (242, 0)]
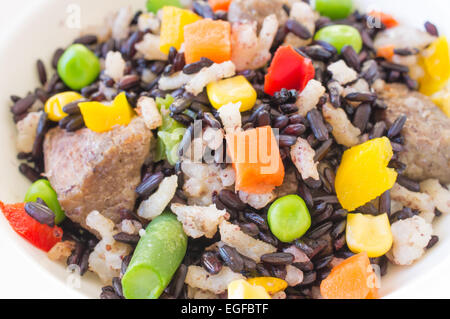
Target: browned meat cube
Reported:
[(92, 171), (426, 132)]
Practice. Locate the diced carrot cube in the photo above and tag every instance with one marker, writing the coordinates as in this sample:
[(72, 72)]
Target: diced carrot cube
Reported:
[(207, 39), (351, 279), (386, 52), (256, 160), (218, 5), (388, 20)]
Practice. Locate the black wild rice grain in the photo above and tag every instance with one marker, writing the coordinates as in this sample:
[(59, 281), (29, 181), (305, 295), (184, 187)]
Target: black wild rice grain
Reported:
[(184, 119), (323, 262), (280, 122), (298, 29), (433, 241), (56, 57), (410, 82), (367, 40), (117, 285), (397, 126), (22, 105), (384, 205), (408, 183), (42, 129), (309, 278), (76, 122), (257, 219), (294, 129), (361, 97), (149, 185), (317, 52), (288, 108), (108, 293), (263, 118), (405, 51), (197, 66), (334, 91), (250, 229), (278, 258), (77, 253), (394, 67), (127, 238), (177, 283), (125, 262), (231, 199), (286, 140), (396, 147), (88, 39), (338, 229), (351, 57), (204, 10), (211, 262), (172, 53), (232, 258), (378, 130), (317, 124), (431, 29), (179, 62), (330, 48), (129, 81), (180, 105), (72, 108), (29, 172), (41, 72), (362, 116), (41, 213), (398, 166), (319, 231), (323, 150)]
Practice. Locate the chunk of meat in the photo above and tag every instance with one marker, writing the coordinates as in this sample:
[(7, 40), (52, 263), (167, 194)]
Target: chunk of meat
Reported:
[(96, 171), (426, 132), (256, 10)]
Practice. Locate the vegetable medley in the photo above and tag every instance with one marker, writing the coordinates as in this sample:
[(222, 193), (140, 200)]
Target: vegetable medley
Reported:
[(241, 149)]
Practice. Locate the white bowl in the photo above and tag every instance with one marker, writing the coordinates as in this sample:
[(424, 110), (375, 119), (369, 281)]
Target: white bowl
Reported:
[(41, 28)]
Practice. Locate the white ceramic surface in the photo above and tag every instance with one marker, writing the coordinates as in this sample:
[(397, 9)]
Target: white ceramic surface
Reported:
[(34, 28)]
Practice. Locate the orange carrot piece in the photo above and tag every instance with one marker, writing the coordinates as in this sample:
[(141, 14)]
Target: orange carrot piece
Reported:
[(256, 160), (207, 39), (218, 5), (386, 52), (351, 279), (388, 20)]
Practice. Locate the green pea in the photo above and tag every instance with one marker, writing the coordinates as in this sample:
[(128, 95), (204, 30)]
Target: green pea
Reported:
[(43, 190), (156, 258), (155, 5), (335, 9), (340, 36), (78, 67), (289, 218)]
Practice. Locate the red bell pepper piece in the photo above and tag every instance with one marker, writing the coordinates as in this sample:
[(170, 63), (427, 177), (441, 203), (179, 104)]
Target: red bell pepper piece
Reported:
[(40, 235), (289, 70)]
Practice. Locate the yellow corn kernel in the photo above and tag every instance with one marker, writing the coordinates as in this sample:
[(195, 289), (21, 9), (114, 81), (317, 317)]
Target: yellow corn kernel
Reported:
[(271, 284), (435, 61), (241, 289), (232, 90), (99, 117), (363, 174), (54, 105), (367, 233), (442, 100), (172, 27)]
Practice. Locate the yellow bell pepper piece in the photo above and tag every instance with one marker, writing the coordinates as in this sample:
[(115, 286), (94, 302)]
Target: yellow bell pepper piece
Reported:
[(54, 105), (232, 90), (271, 284), (368, 233), (436, 63), (363, 174), (442, 100), (99, 117), (172, 27), (241, 289)]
